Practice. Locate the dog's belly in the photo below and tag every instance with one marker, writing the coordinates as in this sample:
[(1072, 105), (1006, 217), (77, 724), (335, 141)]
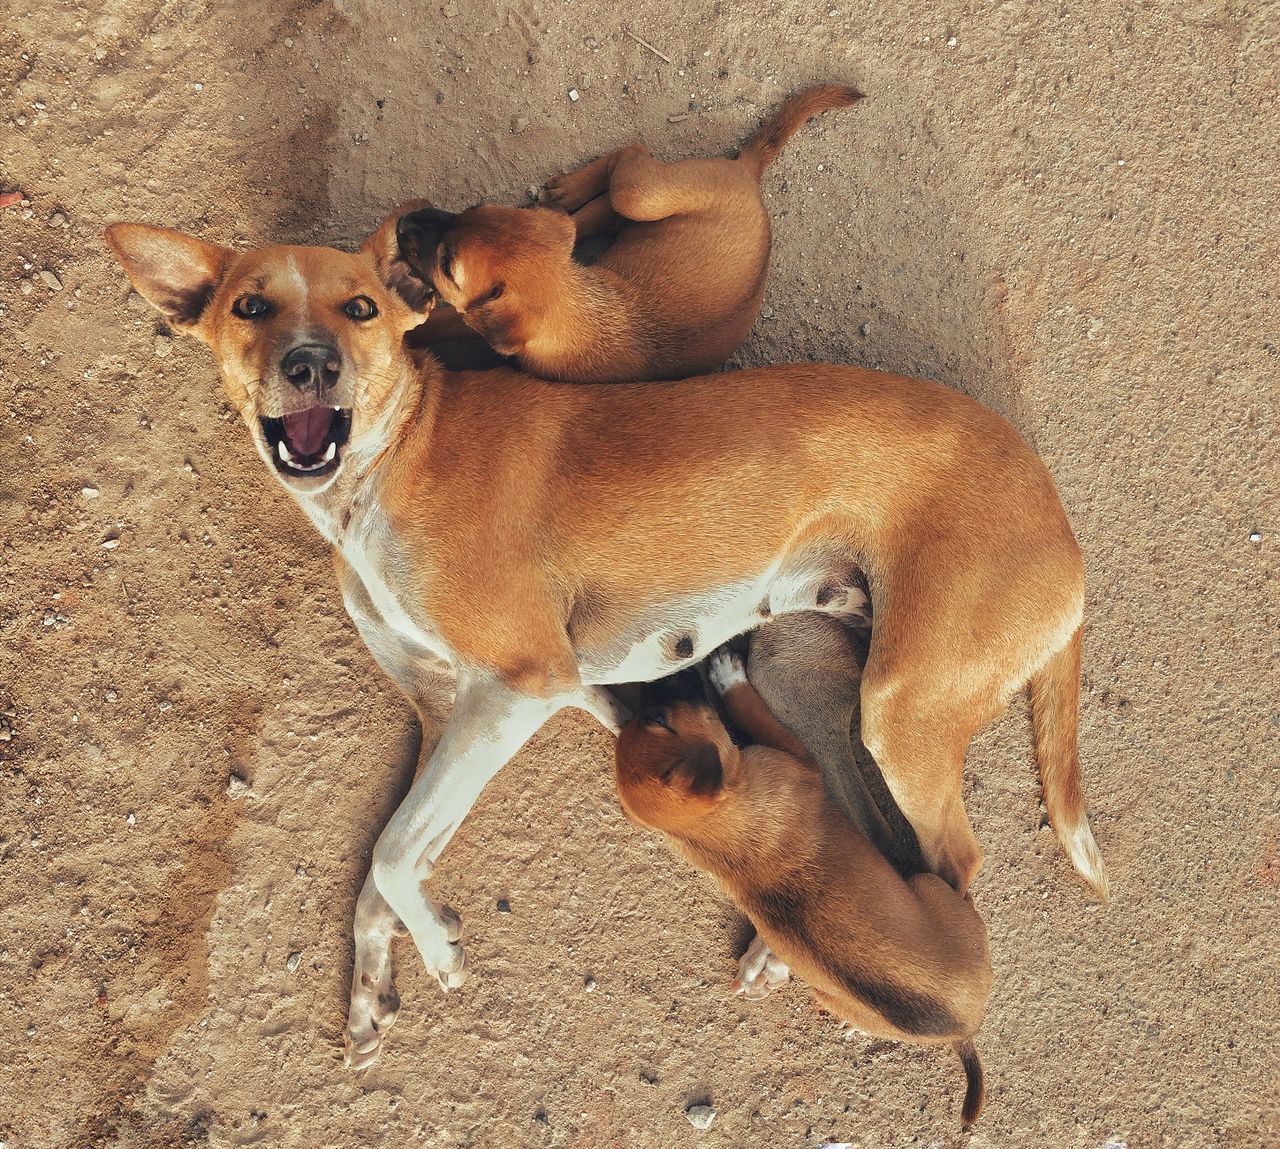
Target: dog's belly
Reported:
[(662, 639)]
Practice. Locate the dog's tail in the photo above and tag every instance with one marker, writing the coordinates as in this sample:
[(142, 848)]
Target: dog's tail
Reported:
[(1055, 710), (763, 148), (975, 1090)]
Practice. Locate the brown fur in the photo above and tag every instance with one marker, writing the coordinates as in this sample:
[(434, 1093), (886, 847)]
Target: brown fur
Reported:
[(905, 959), (675, 293)]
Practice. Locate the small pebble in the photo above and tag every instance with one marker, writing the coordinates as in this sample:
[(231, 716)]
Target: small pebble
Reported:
[(130, 819), (198, 86), (295, 959), (51, 281), (766, 313), (26, 287), (951, 41), (57, 220), (504, 906), (700, 1116), (865, 329), (163, 346), (573, 95), (6, 730), (135, 302), (1255, 536), (590, 985), (450, 10), (89, 492), (110, 544), (111, 696), (519, 123), (237, 787)]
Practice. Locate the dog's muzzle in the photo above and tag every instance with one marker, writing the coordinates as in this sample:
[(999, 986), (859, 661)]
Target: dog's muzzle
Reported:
[(308, 443)]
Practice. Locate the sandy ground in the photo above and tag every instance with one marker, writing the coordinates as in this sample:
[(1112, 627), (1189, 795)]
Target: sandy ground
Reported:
[(1071, 218)]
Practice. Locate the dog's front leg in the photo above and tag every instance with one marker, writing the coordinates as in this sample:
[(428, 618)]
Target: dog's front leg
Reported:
[(489, 724)]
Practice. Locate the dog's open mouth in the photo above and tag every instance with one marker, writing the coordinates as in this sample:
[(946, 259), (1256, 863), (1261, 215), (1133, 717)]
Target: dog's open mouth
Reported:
[(307, 444)]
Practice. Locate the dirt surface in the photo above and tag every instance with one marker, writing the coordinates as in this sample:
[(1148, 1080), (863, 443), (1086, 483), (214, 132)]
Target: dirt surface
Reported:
[(1071, 218)]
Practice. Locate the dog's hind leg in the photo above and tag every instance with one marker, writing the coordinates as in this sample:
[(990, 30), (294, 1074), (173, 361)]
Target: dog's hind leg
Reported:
[(596, 217), (574, 190)]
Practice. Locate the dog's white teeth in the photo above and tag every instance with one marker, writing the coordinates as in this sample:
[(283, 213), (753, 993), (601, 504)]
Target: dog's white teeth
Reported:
[(284, 452), (331, 453), (337, 410)]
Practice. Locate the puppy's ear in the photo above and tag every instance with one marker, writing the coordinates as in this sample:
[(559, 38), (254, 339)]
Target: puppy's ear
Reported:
[(399, 274), (419, 233), (698, 771), (176, 273)]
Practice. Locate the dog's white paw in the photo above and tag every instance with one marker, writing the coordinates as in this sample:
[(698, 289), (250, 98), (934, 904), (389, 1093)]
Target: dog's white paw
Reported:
[(726, 669), (375, 1002), (760, 971), (446, 959)]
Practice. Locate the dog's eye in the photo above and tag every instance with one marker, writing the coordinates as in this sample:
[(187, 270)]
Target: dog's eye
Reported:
[(250, 307), (496, 293), (446, 263), (655, 718), (360, 308)]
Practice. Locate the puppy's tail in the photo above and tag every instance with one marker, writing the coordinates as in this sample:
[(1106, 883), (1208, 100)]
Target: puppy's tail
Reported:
[(1055, 711), (763, 148), (975, 1091)]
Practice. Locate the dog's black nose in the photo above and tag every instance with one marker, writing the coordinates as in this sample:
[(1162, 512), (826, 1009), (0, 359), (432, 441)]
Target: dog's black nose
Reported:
[(312, 366)]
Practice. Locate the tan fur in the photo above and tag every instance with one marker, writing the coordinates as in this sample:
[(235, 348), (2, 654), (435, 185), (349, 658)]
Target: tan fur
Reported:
[(897, 958), (675, 293)]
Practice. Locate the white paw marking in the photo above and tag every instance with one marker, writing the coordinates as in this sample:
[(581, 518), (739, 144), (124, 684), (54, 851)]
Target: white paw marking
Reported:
[(725, 668), (760, 971)]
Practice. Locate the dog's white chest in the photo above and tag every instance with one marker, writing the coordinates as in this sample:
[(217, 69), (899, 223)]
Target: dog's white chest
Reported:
[(390, 583)]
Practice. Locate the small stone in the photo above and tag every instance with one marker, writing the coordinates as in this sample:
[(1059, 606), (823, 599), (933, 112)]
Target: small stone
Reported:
[(952, 41), (164, 345), (135, 302), (57, 220), (766, 313), (199, 87), (573, 95), (165, 705), (295, 959), (130, 819), (89, 492), (504, 906), (700, 1116), (238, 788), (6, 730), (450, 10), (1255, 536), (590, 985), (535, 192), (110, 544), (111, 696), (865, 329), (288, 41), (519, 123), (51, 281), (26, 287)]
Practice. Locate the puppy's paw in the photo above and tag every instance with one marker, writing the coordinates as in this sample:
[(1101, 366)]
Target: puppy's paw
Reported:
[(760, 971), (726, 669)]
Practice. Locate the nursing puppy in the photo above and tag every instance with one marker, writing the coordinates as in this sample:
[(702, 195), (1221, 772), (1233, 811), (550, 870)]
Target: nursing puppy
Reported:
[(904, 959), (674, 295)]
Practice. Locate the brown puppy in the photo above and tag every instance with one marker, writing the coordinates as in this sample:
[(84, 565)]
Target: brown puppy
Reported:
[(905, 959), (674, 295), (534, 542)]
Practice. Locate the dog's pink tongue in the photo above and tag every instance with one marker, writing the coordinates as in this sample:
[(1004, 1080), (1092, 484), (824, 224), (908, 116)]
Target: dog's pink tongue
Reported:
[(308, 431)]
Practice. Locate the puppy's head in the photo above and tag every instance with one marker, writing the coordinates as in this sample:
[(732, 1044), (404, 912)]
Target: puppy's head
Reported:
[(674, 761), (494, 265), (309, 340)]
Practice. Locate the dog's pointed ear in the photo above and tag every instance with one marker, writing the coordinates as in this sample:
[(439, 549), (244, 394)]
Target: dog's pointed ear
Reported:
[(174, 272), (400, 275), (699, 771)]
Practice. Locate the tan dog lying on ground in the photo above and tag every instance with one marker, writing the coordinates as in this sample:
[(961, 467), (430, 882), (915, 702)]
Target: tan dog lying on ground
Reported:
[(533, 542), (674, 295), (900, 959)]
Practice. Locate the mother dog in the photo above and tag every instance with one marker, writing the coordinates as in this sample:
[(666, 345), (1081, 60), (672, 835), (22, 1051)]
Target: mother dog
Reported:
[(545, 540)]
